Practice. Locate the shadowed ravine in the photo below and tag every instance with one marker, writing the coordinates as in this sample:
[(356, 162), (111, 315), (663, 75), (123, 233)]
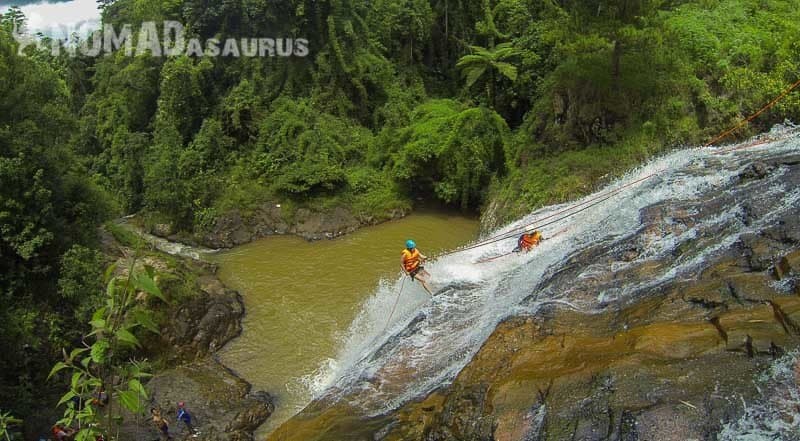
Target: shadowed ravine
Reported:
[(647, 319)]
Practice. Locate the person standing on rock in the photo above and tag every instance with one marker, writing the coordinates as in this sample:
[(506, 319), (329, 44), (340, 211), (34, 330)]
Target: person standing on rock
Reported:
[(186, 418), (411, 262), (161, 424)]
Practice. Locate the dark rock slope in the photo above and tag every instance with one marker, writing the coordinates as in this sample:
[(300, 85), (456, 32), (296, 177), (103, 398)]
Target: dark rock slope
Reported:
[(671, 356), (201, 317), (205, 322), (237, 227), (221, 403)]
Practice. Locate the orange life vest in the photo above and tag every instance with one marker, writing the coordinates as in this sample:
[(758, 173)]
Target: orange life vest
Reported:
[(411, 259), (528, 241)]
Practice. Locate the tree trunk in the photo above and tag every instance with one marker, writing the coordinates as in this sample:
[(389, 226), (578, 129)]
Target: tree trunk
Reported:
[(492, 91), (446, 11), (616, 56)]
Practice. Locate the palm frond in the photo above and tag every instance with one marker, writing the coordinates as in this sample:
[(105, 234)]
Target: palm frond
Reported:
[(469, 60), (474, 73), (503, 51), (507, 70), (482, 51)]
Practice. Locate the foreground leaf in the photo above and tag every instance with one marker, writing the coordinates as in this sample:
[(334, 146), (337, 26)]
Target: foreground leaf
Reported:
[(137, 387), (145, 283), (99, 350), (125, 336), (57, 368), (130, 400)]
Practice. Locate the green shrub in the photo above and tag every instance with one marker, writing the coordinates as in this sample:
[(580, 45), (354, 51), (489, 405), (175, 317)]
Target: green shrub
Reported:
[(375, 194), (565, 176), (302, 152), (450, 150)]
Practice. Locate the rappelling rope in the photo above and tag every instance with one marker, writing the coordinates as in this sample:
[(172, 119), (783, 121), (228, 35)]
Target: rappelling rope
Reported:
[(605, 196), (516, 230), (402, 282), (534, 225), (767, 139), (489, 259), (753, 116)]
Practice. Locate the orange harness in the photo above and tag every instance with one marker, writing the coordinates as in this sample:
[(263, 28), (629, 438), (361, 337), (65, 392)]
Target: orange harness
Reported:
[(411, 259), (529, 241)]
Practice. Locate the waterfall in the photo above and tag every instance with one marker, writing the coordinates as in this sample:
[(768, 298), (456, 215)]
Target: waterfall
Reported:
[(708, 207), (775, 415), (166, 246)]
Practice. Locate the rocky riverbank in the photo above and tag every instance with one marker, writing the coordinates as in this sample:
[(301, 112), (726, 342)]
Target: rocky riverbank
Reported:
[(647, 345), (223, 406), (237, 227), (202, 316), (674, 367)]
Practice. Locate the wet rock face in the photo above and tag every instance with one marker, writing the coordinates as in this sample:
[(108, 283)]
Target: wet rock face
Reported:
[(663, 344), (671, 362), (221, 405), (204, 323), (572, 376), (234, 228), (756, 170)]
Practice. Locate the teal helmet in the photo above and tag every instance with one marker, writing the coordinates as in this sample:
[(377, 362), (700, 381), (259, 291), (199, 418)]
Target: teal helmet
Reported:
[(410, 244)]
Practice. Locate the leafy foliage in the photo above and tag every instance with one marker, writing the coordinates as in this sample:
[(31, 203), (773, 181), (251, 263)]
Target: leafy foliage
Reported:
[(102, 366), (488, 61), (452, 150), (47, 205), (7, 425), (305, 152), (236, 133)]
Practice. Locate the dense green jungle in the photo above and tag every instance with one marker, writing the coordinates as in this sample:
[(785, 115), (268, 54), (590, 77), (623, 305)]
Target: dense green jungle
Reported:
[(491, 107)]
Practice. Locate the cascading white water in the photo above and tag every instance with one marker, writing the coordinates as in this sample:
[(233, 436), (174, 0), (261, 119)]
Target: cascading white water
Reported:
[(166, 246), (428, 341), (775, 415)]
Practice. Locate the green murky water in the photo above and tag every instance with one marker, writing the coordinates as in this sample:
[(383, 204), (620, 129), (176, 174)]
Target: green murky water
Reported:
[(302, 296)]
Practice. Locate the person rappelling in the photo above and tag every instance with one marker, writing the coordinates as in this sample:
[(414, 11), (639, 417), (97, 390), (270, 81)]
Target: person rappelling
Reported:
[(527, 241), (411, 261)]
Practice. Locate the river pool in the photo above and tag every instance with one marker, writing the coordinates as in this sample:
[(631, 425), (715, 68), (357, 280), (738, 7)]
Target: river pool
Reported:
[(302, 296)]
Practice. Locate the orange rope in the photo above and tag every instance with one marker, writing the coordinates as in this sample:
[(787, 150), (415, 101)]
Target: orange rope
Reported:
[(507, 235), (766, 140), (512, 233), (753, 116), (747, 146), (604, 196)]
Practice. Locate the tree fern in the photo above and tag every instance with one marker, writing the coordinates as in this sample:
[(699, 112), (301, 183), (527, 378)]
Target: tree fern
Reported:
[(473, 66)]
